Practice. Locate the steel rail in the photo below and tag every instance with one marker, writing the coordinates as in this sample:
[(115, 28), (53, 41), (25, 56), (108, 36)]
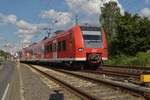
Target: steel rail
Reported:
[(134, 89), (110, 73), (130, 71), (128, 66), (77, 91)]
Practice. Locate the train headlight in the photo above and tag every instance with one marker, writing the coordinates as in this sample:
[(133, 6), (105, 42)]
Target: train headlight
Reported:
[(80, 49)]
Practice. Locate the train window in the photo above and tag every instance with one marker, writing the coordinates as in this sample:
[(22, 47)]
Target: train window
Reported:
[(50, 48), (92, 39), (59, 46), (91, 32), (38, 50), (46, 48), (54, 47), (89, 28), (63, 45), (71, 37), (92, 35)]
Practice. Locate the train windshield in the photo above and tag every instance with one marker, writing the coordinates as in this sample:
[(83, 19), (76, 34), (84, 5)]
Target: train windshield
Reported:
[(92, 37)]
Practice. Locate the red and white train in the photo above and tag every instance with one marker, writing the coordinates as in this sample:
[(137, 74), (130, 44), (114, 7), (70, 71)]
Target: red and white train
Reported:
[(82, 45)]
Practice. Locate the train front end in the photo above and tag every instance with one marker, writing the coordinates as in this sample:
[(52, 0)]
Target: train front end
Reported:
[(95, 45)]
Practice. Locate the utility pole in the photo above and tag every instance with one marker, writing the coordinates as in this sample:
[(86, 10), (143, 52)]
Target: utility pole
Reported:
[(48, 32), (76, 19)]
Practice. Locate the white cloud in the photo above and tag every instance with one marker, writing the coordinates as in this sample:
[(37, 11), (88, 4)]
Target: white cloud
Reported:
[(89, 6), (27, 30), (24, 25), (145, 12), (12, 19), (4, 19), (57, 18), (84, 6), (26, 38), (88, 11)]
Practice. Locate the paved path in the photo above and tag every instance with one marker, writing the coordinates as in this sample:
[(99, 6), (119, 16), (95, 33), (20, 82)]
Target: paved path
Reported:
[(6, 73)]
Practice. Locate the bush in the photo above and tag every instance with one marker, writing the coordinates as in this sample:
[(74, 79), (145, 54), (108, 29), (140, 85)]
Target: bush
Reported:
[(141, 59)]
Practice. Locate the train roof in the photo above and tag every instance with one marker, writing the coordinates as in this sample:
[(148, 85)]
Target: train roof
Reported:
[(61, 32), (90, 28)]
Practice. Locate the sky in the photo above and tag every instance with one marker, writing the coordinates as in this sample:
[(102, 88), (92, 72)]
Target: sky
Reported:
[(23, 22)]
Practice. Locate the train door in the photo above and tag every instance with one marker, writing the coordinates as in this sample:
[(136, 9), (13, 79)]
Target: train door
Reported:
[(54, 47), (42, 51), (71, 45)]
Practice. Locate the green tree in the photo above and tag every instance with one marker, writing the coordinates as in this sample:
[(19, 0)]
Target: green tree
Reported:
[(133, 35), (109, 14), (4, 54)]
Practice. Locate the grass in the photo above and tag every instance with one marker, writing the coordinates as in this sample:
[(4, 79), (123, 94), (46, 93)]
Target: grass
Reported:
[(141, 59)]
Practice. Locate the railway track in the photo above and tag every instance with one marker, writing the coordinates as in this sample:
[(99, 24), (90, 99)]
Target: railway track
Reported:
[(128, 72), (92, 88), (124, 69), (111, 73), (114, 81), (118, 76), (74, 91), (131, 73), (56, 91)]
